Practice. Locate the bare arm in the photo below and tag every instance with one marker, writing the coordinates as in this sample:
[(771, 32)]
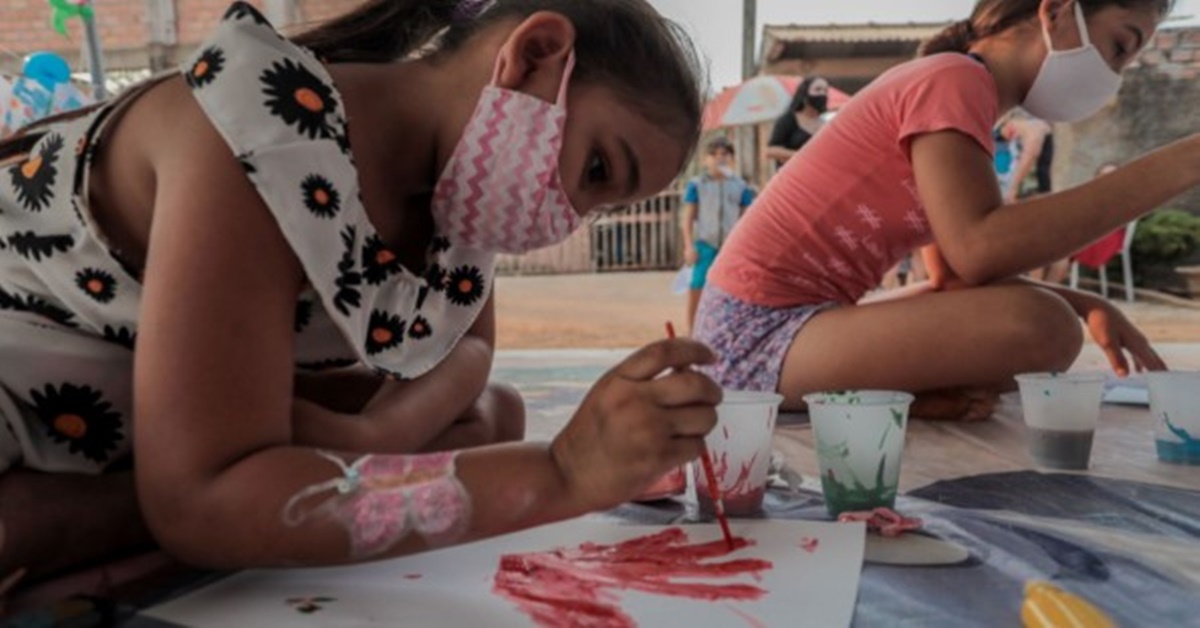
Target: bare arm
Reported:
[(222, 483), (687, 223), (984, 241), (327, 404), (779, 153)]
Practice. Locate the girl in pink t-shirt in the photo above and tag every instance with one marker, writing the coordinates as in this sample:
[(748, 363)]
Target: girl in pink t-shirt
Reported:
[(908, 163)]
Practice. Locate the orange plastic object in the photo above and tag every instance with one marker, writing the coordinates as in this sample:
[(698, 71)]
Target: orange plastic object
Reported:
[(1047, 606)]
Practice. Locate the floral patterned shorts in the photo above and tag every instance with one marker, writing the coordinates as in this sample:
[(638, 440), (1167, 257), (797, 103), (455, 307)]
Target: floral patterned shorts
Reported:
[(65, 398), (750, 340)]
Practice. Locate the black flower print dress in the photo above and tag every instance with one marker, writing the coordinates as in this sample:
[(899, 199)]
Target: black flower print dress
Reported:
[(69, 303)]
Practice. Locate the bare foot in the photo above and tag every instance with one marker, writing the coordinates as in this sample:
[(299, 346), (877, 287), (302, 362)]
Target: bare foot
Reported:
[(955, 404)]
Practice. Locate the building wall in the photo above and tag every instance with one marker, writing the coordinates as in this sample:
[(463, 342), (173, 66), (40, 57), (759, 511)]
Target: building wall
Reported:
[(1156, 106), (125, 30), (847, 74)]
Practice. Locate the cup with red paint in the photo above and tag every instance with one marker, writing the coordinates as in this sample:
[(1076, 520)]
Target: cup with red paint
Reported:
[(673, 484), (740, 446), (860, 440)]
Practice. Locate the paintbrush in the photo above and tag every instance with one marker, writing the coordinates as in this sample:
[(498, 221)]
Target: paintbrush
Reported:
[(714, 491)]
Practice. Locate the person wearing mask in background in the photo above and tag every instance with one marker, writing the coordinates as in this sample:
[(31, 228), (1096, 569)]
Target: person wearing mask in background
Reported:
[(801, 121), (712, 205)]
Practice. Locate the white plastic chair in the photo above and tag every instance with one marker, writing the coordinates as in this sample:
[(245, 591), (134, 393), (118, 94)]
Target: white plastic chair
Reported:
[(1126, 267)]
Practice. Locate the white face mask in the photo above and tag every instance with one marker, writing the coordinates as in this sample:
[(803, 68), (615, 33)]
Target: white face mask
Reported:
[(1072, 84)]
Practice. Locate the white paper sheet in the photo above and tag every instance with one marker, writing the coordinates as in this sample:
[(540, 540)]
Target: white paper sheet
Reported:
[(813, 582), (1130, 391)]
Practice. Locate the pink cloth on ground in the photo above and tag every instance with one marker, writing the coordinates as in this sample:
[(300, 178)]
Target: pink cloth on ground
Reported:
[(846, 208)]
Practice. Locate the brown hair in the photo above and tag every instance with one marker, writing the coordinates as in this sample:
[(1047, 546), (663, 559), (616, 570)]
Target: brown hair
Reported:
[(992, 17), (624, 44), (719, 143), (800, 98)]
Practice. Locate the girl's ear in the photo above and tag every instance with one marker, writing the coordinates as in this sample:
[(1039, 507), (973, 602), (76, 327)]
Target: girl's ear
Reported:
[(1057, 17), (534, 59)]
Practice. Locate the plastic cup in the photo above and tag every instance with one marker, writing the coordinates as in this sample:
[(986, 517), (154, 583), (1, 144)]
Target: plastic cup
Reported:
[(670, 485), (1175, 406), (1061, 412), (740, 446), (860, 441)]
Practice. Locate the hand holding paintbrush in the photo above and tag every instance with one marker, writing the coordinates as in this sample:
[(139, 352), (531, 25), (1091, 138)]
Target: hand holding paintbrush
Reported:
[(710, 477), (646, 416)]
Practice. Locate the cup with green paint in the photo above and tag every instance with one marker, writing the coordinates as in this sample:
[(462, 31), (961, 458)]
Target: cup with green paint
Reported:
[(860, 440)]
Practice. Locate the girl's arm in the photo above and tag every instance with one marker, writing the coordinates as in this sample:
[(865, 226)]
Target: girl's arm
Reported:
[(222, 483), (358, 410), (983, 240)]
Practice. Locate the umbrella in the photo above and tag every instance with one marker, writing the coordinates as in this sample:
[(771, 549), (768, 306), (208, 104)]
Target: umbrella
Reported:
[(760, 99)]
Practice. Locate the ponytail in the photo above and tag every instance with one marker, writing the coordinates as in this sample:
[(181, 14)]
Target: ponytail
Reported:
[(992, 17), (957, 37)]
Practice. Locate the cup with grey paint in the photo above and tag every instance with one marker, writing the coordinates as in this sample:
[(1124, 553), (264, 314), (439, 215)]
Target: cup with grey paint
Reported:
[(1061, 412)]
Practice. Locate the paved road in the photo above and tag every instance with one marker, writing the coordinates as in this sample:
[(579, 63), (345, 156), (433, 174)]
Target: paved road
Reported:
[(628, 309)]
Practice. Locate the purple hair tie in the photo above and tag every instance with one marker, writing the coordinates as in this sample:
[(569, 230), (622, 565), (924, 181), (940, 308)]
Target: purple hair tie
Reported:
[(468, 10)]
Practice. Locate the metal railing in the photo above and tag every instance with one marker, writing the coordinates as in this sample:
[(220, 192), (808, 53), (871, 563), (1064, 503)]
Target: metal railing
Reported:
[(643, 236)]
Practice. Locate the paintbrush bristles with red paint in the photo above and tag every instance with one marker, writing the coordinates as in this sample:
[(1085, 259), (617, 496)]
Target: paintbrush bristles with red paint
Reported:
[(710, 476)]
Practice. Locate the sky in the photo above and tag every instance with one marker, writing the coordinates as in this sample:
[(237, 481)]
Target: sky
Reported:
[(716, 24)]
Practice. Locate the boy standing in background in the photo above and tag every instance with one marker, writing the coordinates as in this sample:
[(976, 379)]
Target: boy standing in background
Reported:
[(712, 205)]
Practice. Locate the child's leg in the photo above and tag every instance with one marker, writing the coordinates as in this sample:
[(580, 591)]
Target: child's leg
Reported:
[(66, 405), (693, 303), (706, 255), (56, 521), (973, 338)]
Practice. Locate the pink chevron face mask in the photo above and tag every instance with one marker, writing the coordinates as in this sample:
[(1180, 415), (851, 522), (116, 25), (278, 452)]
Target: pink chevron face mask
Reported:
[(501, 191)]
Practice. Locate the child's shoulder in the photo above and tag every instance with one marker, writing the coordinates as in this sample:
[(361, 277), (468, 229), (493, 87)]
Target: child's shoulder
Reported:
[(947, 80), (940, 69)]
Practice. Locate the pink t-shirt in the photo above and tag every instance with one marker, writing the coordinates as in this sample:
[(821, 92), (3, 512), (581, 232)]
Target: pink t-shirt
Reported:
[(846, 208)]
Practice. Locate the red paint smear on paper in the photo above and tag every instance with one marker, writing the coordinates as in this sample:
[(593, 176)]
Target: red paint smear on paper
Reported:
[(809, 544), (750, 620), (579, 587), (412, 576)]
